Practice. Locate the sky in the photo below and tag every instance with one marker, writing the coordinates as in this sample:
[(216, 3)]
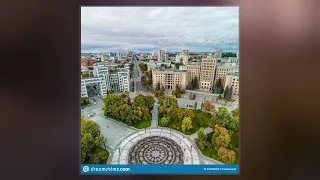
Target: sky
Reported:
[(149, 29)]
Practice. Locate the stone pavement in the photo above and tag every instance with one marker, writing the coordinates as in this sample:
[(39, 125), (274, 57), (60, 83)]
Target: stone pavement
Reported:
[(154, 122), (113, 131), (189, 150)]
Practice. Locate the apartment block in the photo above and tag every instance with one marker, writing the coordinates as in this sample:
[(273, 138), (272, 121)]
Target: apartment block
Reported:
[(207, 72), (170, 78), (232, 80), (223, 71)]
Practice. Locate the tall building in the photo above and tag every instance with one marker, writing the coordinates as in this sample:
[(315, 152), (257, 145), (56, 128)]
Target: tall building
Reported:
[(169, 78), (223, 71), (218, 53), (232, 80), (116, 80), (124, 80), (184, 52), (194, 70), (161, 56), (207, 68), (166, 57)]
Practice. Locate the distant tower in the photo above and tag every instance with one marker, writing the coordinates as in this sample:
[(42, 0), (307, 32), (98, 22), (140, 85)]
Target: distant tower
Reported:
[(218, 53), (237, 54)]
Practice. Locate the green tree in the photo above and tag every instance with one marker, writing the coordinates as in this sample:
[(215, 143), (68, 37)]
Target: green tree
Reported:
[(149, 101), (84, 101), (110, 102), (186, 124), (171, 102), (229, 94), (226, 92), (223, 117), (139, 101), (202, 106), (129, 101), (164, 122), (226, 155), (196, 82), (220, 137), (201, 140), (91, 143), (235, 113)]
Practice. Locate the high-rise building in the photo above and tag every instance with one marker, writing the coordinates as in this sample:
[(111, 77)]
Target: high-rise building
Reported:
[(161, 56), (207, 72), (232, 80), (184, 52), (166, 57), (169, 78)]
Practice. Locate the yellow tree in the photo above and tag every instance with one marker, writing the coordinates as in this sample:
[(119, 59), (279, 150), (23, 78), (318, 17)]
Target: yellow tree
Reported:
[(208, 106), (226, 155), (220, 138)]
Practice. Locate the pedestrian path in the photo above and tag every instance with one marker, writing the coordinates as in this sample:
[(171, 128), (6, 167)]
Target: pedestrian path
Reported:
[(206, 131), (113, 131), (154, 122)]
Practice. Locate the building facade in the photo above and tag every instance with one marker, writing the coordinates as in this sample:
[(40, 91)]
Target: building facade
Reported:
[(194, 70), (169, 78), (232, 80), (161, 56), (207, 72), (223, 71), (118, 80)]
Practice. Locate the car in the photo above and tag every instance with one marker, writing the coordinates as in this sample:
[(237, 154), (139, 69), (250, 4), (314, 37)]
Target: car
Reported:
[(90, 115), (82, 107), (94, 100)]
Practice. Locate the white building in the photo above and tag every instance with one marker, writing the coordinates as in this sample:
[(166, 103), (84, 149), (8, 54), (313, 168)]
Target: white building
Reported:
[(124, 80), (182, 59), (118, 80), (161, 56)]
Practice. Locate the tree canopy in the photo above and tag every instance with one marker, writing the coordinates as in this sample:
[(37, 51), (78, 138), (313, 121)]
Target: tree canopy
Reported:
[(91, 143)]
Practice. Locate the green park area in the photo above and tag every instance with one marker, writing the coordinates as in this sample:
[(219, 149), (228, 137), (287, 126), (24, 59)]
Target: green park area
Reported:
[(221, 144), (136, 114)]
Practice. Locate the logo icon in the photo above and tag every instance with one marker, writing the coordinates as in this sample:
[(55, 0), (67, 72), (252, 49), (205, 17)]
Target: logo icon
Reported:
[(85, 168)]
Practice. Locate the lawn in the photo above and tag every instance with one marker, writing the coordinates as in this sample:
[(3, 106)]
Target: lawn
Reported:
[(144, 124)]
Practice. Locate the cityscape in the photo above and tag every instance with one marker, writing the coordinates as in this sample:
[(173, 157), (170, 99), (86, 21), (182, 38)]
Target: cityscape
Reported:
[(159, 102)]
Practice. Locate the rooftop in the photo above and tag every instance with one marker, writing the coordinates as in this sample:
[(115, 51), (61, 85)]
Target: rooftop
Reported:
[(236, 66), (234, 75)]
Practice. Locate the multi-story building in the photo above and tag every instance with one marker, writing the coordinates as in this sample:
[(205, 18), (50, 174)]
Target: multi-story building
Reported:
[(194, 70), (108, 80), (124, 80), (182, 59), (161, 56), (184, 52), (166, 57), (207, 72), (169, 78), (223, 71), (232, 80)]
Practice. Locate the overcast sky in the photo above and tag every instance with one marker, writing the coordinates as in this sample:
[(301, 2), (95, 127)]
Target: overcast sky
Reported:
[(147, 29)]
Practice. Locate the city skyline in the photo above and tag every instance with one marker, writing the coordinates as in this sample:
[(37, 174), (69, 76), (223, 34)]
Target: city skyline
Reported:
[(149, 29)]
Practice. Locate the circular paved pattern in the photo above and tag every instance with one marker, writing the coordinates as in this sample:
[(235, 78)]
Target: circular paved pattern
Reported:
[(155, 150)]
